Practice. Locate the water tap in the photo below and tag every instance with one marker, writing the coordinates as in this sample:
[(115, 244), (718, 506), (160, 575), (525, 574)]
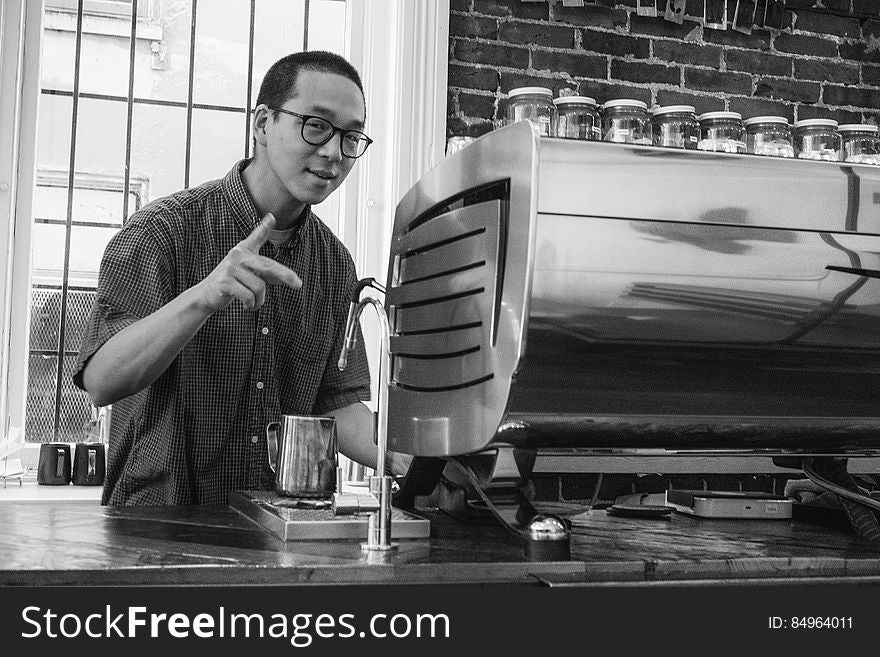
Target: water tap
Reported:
[(379, 499)]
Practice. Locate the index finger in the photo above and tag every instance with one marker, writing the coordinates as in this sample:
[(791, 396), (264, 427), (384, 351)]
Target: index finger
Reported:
[(259, 235), (273, 271)]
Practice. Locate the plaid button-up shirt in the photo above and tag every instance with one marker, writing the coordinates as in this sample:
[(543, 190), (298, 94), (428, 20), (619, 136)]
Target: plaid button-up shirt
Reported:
[(198, 432)]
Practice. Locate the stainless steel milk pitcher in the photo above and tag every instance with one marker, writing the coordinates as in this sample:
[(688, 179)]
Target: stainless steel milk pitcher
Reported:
[(302, 455)]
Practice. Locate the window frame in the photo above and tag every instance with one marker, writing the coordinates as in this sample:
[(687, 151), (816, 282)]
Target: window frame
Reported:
[(137, 184), (20, 30), (120, 8), (406, 115)]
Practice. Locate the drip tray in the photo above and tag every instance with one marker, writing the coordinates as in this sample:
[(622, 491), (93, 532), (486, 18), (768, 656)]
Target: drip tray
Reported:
[(284, 517)]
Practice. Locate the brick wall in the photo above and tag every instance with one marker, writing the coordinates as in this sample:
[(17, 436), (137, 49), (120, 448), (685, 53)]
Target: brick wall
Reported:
[(824, 63)]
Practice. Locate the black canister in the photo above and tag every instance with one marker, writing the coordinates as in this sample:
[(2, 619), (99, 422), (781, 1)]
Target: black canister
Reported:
[(88, 464), (53, 468)]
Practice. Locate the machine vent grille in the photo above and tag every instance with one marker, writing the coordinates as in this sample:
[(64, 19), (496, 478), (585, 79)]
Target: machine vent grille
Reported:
[(445, 291), (494, 191)]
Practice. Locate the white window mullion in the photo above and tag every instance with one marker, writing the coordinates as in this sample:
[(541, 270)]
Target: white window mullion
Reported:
[(19, 80), (400, 48), (420, 92)]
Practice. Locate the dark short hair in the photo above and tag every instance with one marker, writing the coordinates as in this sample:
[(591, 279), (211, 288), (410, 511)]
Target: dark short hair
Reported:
[(279, 84)]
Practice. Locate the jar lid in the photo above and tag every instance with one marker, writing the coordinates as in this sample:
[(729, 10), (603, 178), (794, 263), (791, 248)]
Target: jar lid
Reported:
[(677, 109), (585, 100), (625, 102), (520, 91), (862, 127), (825, 123), (766, 119), (720, 115)]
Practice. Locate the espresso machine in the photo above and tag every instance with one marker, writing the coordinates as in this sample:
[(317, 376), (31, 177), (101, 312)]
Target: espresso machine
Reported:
[(603, 298)]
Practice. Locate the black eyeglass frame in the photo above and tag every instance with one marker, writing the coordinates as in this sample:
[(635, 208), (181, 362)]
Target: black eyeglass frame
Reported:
[(334, 129)]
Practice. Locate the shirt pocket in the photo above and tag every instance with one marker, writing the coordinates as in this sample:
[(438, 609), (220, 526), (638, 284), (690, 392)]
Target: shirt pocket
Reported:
[(304, 326), (307, 345), (307, 336)]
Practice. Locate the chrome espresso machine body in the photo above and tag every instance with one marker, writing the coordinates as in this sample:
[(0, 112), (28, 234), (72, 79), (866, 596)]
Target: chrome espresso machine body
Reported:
[(558, 293)]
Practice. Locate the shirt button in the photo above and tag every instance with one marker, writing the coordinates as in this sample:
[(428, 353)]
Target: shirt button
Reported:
[(254, 440), (259, 385), (265, 330)]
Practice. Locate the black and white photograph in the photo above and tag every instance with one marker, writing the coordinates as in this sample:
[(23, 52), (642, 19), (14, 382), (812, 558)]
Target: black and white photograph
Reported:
[(416, 326)]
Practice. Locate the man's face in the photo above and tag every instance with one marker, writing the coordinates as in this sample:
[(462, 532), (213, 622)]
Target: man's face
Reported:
[(309, 173)]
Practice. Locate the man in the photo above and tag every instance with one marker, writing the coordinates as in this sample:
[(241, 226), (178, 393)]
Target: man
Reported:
[(210, 322)]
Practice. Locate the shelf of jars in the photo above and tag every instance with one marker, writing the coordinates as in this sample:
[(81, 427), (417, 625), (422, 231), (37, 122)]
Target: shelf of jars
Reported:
[(628, 121)]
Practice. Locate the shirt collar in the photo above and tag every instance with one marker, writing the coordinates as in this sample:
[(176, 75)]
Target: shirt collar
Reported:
[(245, 214)]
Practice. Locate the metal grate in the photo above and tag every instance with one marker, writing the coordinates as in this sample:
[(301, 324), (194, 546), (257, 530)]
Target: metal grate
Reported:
[(40, 406), (74, 406), (46, 318), (79, 305), (52, 415), (56, 409)]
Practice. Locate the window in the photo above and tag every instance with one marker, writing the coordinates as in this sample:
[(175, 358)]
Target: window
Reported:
[(170, 111), (130, 100), (62, 292)]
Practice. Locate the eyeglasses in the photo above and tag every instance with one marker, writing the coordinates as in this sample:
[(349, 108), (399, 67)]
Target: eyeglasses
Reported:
[(317, 132)]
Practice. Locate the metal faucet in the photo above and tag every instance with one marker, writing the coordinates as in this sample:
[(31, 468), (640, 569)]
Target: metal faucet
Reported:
[(379, 499)]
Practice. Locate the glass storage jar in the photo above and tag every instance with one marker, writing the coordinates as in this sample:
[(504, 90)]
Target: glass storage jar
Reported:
[(722, 132), (626, 121), (675, 126), (769, 135), (817, 139), (860, 143), (577, 117), (533, 104)]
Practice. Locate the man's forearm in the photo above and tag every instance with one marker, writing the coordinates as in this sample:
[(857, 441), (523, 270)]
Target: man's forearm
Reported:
[(356, 433), (138, 355)]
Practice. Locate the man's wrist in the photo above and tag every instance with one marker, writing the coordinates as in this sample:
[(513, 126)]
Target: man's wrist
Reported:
[(397, 463), (198, 299)]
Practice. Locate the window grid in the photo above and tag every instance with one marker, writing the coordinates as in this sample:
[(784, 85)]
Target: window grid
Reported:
[(132, 43), (146, 101), (62, 320), (69, 403), (189, 91), (250, 76)]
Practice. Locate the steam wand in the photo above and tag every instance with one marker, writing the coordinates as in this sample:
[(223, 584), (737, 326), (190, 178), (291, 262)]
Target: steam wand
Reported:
[(379, 502)]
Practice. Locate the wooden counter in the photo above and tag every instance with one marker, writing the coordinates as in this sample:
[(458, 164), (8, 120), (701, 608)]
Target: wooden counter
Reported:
[(83, 543)]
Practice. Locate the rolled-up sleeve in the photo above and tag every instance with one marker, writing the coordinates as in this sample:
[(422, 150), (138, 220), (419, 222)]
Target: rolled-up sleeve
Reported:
[(340, 389), (135, 280)]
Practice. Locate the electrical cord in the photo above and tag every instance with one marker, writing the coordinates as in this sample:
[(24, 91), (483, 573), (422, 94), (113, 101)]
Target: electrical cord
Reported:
[(595, 497), (475, 482), (836, 488), (859, 508)]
